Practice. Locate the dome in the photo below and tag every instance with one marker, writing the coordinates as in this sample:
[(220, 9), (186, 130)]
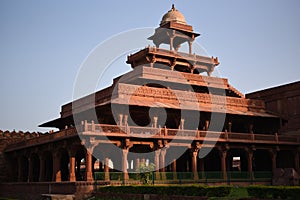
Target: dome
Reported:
[(173, 15)]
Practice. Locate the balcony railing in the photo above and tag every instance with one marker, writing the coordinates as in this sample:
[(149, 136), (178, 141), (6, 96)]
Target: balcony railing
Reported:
[(167, 133), (156, 133)]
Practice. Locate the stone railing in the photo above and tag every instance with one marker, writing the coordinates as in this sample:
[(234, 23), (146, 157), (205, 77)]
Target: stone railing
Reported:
[(167, 133), (156, 133), (43, 138)]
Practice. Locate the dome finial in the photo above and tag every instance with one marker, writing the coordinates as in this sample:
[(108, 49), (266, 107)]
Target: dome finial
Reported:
[(173, 7)]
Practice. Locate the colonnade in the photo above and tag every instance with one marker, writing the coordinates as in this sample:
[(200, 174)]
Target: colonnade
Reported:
[(65, 165)]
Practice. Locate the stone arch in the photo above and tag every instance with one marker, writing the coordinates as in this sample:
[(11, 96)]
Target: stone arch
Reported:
[(285, 159), (64, 165), (24, 166), (262, 160), (80, 164), (34, 167), (48, 166)]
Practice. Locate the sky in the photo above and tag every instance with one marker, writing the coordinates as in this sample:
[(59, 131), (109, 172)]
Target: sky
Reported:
[(44, 43)]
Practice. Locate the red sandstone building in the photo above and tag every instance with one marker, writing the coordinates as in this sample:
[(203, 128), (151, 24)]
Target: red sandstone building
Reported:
[(169, 111)]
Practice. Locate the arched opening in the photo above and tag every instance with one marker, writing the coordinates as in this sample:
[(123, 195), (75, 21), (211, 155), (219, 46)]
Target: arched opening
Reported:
[(35, 168), (285, 159), (64, 165), (24, 164), (262, 160), (80, 164), (48, 165)]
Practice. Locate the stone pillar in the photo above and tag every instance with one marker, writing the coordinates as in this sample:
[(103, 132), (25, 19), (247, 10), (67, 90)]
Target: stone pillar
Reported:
[(20, 174), (125, 120), (206, 125), (72, 168), (250, 164), (162, 162), (229, 126), (155, 119), (223, 163), (120, 119), (190, 47), (137, 164), (42, 169), (182, 123), (201, 163), (88, 171), (124, 164), (297, 161), (106, 170), (274, 155), (251, 128), (174, 169), (194, 165), (29, 178), (56, 168), (156, 162), (171, 43)]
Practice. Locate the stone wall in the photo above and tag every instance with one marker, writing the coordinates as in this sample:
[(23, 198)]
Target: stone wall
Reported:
[(35, 191), (7, 138)]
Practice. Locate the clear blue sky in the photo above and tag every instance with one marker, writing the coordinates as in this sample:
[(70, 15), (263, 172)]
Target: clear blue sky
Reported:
[(43, 43)]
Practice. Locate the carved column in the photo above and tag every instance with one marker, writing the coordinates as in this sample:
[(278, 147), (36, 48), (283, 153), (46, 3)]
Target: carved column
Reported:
[(229, 126), (155, 119), (162, 162), (171, 43), (182, 123), (297, 161), (190, 46), (223, 163), (156, 162), (194, 164), (274, 156), (125, 120), (42, 169), (89, 173), (206, 125), (124, 164), (174, 169), (121, 119), (201, 163), (72, 168), (137, 164), (29, 178), (106, 170), (20, 174), (56, 167), (250, 159)]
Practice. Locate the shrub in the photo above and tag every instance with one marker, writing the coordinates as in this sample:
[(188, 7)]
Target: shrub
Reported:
[(218, 191), (274, 192)]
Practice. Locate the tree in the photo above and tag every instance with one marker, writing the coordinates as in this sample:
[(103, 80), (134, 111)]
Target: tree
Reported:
[(145, 171)]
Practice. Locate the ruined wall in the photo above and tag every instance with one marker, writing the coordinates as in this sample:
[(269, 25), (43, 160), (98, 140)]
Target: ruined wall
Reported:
[(7, 138)]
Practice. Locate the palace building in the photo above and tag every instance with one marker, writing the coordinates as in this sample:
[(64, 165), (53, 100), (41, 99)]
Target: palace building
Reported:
[(169, 111)]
